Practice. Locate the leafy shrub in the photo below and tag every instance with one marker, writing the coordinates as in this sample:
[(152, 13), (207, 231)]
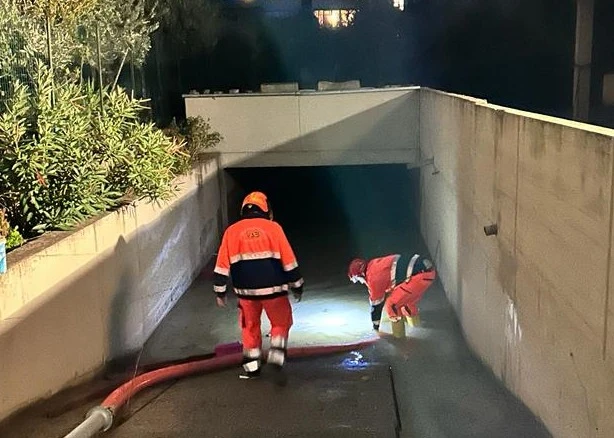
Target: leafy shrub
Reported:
[(139, 159), (63, 163), (14, 239), (11, 235), (196, 133)]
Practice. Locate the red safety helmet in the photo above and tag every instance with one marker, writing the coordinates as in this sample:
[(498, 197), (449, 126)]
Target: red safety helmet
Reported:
[(357, 268)]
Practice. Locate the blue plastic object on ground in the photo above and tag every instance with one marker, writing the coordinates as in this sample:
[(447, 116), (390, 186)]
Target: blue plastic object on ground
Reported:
[(2, 256)]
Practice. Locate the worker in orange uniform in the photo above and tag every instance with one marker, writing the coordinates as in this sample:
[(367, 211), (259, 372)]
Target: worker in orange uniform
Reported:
[(395, 281), (257, 256)]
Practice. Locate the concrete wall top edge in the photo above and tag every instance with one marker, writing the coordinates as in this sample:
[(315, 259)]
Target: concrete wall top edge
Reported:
[(459, 96), (609, 132), (300, 93), (527, 114), (479, 101)]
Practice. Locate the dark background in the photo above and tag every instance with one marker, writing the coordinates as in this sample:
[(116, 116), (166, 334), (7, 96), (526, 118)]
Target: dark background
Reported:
[(349, 211), (517, 53)]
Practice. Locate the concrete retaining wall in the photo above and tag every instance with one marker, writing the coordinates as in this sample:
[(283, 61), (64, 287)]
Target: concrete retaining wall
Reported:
[(70, 302), (313, 128), (534, 301)]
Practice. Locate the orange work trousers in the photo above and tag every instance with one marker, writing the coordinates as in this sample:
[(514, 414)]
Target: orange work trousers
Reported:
[(404, 299), (279, 312)]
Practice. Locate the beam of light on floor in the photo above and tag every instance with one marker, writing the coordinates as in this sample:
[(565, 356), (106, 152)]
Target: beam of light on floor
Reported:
[(339, 313)]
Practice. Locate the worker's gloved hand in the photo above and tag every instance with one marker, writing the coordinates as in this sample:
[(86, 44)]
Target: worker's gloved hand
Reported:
[(297, 293), (221, 300)]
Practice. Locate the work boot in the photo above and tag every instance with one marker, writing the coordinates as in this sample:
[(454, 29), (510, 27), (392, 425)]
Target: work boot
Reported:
[(249, 375), (251, 364), (276, 360)]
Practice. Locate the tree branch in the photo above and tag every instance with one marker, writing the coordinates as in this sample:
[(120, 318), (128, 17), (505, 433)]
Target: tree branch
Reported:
[(121, 66)]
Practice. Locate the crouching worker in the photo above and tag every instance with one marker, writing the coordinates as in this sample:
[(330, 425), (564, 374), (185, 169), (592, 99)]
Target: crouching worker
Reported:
[(395, 281), (257, 256)]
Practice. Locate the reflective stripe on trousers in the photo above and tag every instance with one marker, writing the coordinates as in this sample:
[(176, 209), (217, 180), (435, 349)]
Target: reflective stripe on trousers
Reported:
[(251, 359), (277, 352)]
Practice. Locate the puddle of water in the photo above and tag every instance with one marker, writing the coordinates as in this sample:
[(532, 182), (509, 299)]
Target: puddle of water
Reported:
[(355, 362)]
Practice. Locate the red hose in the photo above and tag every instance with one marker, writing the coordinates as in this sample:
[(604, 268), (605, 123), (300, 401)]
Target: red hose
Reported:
[(319, 350), (121, 395)]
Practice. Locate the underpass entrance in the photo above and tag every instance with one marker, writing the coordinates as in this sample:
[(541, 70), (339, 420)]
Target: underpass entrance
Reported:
[(338, 212)]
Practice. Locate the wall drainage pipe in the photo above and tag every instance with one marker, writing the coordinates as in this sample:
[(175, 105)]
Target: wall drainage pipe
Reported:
[(100, 418)]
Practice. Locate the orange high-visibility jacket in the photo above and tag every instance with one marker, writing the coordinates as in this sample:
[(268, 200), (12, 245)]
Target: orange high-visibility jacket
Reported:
[(383, 274), (380, 277), (256, 255)]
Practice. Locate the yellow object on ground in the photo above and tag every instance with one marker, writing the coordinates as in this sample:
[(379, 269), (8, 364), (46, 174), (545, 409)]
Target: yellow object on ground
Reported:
[(413, 321), (398, 328)]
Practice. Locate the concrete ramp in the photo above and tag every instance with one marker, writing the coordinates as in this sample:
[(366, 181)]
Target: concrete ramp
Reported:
[(326, 397)]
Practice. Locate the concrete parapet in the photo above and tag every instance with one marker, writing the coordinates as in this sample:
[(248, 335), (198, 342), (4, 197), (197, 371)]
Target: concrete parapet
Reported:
[(314, 128)]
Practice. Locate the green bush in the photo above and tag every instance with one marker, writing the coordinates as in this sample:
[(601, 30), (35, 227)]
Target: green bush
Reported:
[(61, 163), (65, 155), (11, 235), (14, 239), (197, 135)]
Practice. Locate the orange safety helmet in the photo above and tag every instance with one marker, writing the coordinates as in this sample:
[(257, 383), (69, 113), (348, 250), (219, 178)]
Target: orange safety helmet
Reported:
[(357, 268), (259, 200)]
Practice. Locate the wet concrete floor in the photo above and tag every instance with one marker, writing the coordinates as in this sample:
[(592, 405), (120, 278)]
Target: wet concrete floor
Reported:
[(441, 389)]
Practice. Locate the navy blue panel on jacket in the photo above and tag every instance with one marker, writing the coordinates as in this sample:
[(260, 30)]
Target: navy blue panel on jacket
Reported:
[(256, 274)]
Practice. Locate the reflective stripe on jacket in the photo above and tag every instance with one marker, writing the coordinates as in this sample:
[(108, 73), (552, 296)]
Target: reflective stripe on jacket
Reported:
[(384, 273), (256, 254)]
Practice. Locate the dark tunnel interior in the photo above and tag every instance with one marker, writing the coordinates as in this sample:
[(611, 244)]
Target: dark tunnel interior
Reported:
[(334, 213)]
